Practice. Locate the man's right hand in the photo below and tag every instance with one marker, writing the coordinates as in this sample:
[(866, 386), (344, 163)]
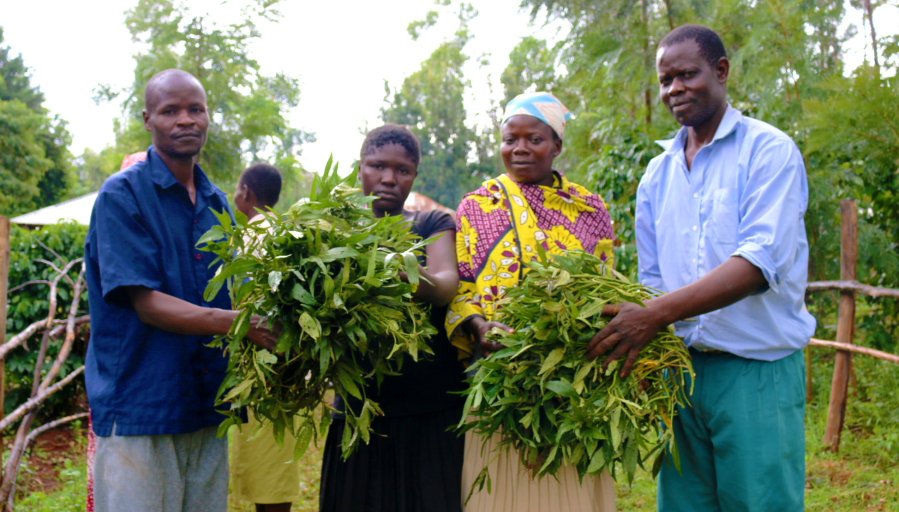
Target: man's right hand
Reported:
[(261, 334)]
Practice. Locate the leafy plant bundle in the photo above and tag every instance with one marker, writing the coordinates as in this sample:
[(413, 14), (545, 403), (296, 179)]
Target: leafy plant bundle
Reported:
[(551, 404), (327, 273)]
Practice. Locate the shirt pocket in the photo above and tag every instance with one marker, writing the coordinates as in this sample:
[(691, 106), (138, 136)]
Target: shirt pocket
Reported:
[(724, 219)]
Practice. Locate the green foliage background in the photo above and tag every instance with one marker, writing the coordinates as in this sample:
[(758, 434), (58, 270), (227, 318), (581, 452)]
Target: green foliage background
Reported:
[(788, 68), (35, 163), (57, 244)]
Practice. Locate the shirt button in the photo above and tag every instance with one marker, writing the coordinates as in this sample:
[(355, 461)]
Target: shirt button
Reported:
[(198, 256), (695, 194), (695, 228), (196, 221)]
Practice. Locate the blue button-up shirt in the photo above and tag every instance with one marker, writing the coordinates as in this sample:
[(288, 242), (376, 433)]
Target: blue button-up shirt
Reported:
[(746, 196), (143, 232)]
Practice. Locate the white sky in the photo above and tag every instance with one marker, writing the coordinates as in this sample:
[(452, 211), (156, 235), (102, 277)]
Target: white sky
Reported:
[(341, 51)]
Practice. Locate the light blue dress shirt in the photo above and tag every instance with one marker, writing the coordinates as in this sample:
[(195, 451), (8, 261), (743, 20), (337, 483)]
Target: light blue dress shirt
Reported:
[(746, 196)]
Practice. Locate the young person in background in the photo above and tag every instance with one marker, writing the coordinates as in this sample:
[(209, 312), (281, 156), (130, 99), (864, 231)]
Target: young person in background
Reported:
[(263, 471)]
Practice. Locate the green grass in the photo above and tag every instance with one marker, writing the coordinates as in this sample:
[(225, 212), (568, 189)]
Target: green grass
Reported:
[(72, 492), (863, 476)]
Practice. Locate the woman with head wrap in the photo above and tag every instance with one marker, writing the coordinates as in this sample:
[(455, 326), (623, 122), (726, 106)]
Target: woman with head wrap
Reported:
[(499, 229)]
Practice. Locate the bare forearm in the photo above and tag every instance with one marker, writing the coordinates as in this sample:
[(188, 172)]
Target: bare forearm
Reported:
[(437, 288), (728, 283), (441, 274), (172, 314)]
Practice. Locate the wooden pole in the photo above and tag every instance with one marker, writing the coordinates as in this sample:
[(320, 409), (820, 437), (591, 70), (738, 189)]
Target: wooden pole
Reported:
[(856, 349), (4, 287), (845, 327), (864, 289)]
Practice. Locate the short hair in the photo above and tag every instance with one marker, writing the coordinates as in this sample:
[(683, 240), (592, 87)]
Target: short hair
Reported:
[(264, 181), (392, 134), (710, 45), (162, 75)]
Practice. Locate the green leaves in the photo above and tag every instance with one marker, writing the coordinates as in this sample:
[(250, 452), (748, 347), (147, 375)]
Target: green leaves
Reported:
[(554, 406), (327, 273)]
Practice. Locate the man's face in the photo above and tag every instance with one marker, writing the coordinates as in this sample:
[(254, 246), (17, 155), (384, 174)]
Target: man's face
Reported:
[(176, 116), (692, 89)]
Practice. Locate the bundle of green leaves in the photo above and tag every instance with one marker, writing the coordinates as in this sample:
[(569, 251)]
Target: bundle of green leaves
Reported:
[(552, 405), (327, 273)]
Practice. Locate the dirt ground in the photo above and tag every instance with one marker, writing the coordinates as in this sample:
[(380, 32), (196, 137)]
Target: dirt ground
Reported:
[(47, 457)]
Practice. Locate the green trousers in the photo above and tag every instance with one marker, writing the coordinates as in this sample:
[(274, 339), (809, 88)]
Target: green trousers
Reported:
[(742, 442)]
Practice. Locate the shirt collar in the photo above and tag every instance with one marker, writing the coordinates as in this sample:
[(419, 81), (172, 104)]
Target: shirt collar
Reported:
[(164, 178), (728, 124)]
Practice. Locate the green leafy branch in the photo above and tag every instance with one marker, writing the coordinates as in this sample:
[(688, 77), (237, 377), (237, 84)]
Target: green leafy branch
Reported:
[(555, 407), (327, 274)]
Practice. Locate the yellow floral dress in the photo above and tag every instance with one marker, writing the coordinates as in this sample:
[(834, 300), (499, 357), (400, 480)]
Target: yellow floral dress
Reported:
[(499, 229)]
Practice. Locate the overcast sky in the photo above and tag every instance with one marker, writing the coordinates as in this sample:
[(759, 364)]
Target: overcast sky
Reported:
[(341, 51)]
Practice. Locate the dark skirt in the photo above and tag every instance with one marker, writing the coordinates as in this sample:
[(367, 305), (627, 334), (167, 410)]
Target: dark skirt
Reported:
[(412, 464)]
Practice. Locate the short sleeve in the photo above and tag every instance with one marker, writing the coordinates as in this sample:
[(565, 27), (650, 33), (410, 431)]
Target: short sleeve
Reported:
[(126, 251), (433, 221)]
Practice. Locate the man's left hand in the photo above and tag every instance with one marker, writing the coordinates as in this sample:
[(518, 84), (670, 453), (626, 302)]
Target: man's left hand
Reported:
[(625, 335)]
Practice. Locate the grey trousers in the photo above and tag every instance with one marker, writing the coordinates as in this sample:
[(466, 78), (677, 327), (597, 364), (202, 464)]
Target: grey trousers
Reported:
[(162, 473)]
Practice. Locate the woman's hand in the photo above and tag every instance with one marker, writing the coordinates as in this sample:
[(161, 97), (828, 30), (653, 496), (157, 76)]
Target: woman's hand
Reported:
[(478, 327)]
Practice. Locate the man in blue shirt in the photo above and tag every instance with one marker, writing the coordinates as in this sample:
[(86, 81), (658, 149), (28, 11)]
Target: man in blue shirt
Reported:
[(720, 230), (151, 379)]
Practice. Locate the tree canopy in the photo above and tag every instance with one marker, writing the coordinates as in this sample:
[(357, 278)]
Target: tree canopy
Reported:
[(788, 67), (35, 163), (431, 102), (248, 109)]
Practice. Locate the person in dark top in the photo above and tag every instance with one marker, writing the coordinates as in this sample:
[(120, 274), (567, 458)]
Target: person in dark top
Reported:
[(414, 460), (151, 378)]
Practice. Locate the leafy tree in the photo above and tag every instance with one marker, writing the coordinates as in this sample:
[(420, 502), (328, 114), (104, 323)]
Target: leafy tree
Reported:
[(22, 158), (531, 67), (33, 256), (787, 65), (248, 109), (431, 102), (15, 83), (35, 164), (94, 167)]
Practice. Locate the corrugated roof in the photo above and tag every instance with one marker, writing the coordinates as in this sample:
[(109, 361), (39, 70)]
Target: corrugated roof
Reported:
[(78, 210)]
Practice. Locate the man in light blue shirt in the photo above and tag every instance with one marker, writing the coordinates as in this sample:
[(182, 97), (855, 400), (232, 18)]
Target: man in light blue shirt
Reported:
[(720, 230)]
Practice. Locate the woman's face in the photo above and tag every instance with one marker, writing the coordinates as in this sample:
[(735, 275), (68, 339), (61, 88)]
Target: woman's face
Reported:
[(388, 172), (529, 148)]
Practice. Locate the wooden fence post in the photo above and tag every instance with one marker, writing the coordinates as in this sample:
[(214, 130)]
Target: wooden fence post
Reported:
[(845, 326), (4, 288)]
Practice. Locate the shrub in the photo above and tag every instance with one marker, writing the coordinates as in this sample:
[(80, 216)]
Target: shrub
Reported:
[(31, 254)]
